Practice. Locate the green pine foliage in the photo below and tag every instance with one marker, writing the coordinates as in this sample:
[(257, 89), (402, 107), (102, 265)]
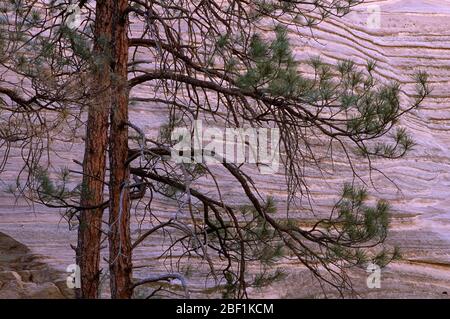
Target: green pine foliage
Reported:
[(274, 68), (53, 191), (345, 94), (359, 230)]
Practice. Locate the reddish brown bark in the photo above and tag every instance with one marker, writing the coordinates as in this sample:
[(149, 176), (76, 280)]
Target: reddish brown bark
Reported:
[(119, 209), (94, 163)]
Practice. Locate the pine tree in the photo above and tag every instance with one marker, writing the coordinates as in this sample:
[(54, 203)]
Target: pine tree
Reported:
[(204, 60)]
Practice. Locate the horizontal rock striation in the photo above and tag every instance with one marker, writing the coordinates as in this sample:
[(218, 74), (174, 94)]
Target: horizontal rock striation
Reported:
[(412, 35)]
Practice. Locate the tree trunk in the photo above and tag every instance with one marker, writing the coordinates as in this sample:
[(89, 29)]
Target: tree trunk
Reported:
[(119, 209), (94, 163)]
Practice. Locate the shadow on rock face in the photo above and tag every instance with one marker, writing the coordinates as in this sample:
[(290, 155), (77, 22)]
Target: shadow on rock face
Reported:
[(23, 274)]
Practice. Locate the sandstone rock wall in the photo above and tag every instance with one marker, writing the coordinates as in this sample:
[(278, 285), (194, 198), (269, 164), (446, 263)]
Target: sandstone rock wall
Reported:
[(413, 35)]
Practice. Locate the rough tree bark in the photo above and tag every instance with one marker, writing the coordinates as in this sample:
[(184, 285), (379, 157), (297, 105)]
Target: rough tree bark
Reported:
[(94, 163), (119, 209)]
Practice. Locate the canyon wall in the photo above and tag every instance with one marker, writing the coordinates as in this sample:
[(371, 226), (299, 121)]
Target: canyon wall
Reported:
[(412, 35)]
